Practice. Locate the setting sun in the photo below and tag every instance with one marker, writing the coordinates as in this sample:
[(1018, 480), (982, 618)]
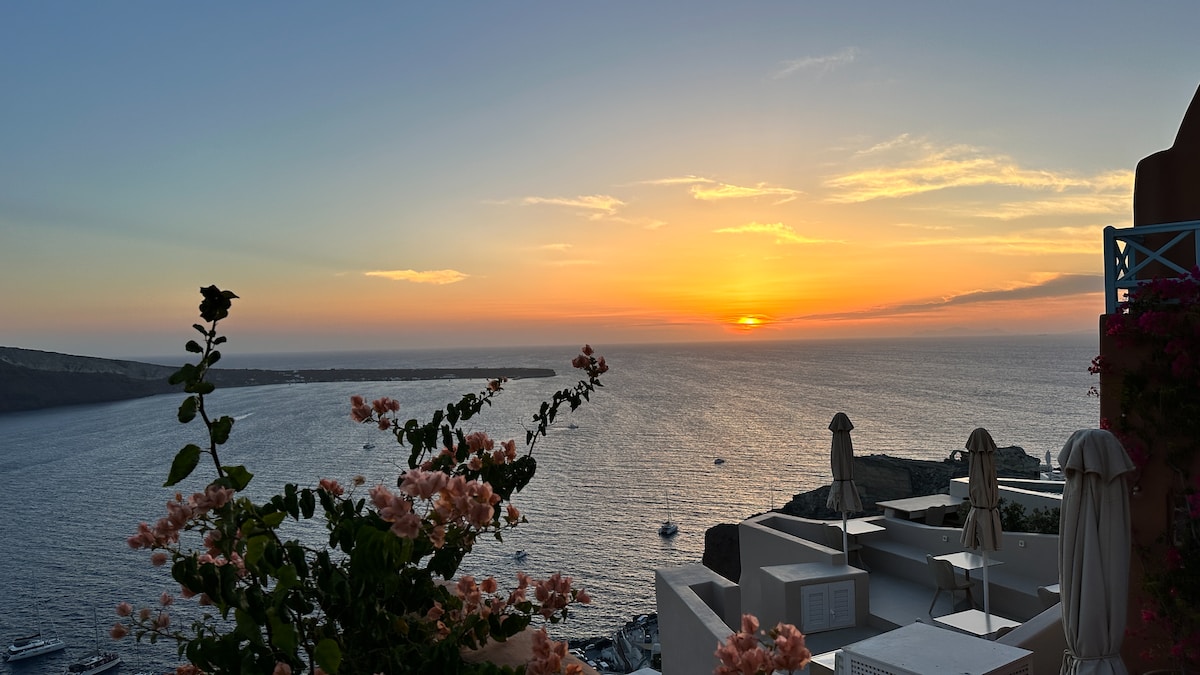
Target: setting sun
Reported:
[(751, 322)]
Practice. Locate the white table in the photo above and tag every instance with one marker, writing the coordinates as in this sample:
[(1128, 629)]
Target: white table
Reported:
[(967, 561), (915, 507), (977, 623), (933, 650), (857, 527)]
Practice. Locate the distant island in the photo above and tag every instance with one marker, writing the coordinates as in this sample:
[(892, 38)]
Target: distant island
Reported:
[(32, 379)]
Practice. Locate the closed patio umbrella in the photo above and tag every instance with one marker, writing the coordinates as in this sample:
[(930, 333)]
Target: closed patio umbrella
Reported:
[(843, 494), (1093, 552), (982, 529)]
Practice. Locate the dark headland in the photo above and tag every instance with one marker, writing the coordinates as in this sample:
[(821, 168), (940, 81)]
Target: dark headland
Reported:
[(31, 379)]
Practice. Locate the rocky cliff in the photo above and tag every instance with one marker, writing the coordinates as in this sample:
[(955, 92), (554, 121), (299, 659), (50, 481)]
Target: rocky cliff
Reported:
[(31, 379), (878, 478), (883, 477)]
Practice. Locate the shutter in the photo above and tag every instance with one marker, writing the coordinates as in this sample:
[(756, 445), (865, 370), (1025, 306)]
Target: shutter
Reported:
[(814, 604), (841, 604)]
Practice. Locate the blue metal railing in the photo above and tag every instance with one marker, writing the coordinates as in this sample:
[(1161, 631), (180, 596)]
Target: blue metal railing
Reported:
[(1126, 254)]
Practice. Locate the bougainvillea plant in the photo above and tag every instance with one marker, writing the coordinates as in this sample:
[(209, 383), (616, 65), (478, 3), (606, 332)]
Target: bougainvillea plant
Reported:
[(376, 592), (1160, 418), (754, 652)]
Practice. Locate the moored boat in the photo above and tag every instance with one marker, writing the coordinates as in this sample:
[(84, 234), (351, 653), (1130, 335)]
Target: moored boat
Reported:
[(96, 663), (32, 645), (668, 527)]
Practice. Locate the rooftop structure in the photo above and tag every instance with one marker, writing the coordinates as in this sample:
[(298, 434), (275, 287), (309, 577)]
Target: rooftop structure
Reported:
[(795, 571)]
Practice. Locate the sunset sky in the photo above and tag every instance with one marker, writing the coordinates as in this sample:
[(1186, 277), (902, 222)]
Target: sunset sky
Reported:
[(392, 175)]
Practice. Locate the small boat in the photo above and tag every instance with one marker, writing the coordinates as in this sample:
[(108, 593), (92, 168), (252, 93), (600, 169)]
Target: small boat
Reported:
[(718, 461), (572, 425), (368, 446), (520, 555), (32, 645), (96, 663), (668, 528)]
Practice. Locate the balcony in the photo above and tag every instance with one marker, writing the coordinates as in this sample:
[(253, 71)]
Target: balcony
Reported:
[(1135, 255)]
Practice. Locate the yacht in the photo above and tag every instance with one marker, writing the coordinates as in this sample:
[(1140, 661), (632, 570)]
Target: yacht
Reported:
[(32, 645), (96, 663)]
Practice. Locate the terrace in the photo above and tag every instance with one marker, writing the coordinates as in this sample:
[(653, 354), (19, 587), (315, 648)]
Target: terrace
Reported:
[(794, 570)]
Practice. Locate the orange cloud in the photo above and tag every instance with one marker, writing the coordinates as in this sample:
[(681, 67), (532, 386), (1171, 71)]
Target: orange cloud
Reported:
[(726, 191), (605, 203), (427, 277), (783, 234), (908, 166)]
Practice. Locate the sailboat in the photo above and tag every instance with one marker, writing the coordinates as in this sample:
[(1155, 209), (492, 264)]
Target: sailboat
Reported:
[(33, 645), (668, 528), (96, 663)]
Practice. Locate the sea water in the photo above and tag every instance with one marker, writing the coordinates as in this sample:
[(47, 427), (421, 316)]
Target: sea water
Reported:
[(75, 481)]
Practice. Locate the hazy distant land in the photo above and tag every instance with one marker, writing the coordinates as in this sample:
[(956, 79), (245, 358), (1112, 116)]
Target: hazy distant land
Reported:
[(31, 379)]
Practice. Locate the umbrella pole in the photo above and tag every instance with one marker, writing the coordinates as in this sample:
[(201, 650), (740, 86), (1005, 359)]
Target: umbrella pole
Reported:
[(845, 539), (987, 605)]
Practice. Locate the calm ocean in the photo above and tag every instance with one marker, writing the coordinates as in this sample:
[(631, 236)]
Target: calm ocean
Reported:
[(74, 482)]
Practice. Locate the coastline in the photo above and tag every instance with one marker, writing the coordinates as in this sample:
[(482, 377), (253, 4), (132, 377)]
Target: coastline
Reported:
[(34, 380)]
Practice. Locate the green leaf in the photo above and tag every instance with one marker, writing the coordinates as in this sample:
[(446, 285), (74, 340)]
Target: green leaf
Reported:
[(328, 656), (283, 635), (308, 503), (290, 503), (185, 462), (273, 520), (213, 357), (187, 409), (216, 303), (255, 548), (238, 476), (288, 578), (193, 347), (221, 428), (185, 373)]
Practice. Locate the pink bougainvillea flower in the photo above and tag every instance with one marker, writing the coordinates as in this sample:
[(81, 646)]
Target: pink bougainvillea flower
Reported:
[(332, 487), (118, 631), (790, 650), (124, 609)]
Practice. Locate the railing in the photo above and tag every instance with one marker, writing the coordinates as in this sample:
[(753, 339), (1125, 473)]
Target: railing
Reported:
[(1126, 253)]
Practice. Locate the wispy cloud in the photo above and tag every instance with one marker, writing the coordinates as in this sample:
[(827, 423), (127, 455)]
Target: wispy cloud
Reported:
[(604, 203), (554, 247), (726, 191), (783, 234), (821, 64), (677, 180), (426, 277), (644, 223), (907, 166), (1052, 286)]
